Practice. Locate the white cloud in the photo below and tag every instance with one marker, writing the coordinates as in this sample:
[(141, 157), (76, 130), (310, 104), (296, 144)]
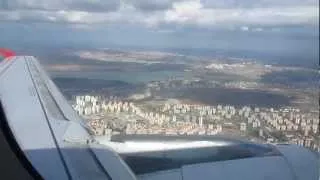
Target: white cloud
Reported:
[(244, 28), (184, 11), (257, 29), (263, 16), (152, 5), (177, 12), (55, 5), (249, 4)]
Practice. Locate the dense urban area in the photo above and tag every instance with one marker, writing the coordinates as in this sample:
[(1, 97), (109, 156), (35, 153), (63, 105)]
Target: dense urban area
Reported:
[(111, 115), (149, 92)]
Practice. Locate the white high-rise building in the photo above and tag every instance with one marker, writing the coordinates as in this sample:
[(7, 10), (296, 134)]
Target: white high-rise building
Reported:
[(315, 128), (174, 118), (254, 124), (306, 132), (87, 98), (200, 121), (93, 109), (258, 123), (261, 132), (219, 128), (307, 142), (87, 111), (243, 126), (246, 114)]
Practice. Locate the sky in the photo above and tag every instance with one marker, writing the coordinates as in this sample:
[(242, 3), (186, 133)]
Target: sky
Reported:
[(274, 26), (153, 13)]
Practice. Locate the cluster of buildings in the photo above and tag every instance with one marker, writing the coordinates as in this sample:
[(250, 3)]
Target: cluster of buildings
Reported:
[(98, 126), (144, 122), (87, 105), (268, 124), (177, 128), (271, 125), (292, 120)]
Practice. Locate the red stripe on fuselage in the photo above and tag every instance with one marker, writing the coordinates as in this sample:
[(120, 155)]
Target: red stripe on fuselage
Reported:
[(6, 53)]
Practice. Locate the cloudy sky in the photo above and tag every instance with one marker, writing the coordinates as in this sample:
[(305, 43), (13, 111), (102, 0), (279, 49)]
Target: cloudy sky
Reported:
[(153, 13), (275, 25)]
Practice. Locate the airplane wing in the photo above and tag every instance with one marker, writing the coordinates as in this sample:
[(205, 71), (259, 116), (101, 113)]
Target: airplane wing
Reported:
[(59, 145), (53, 138)]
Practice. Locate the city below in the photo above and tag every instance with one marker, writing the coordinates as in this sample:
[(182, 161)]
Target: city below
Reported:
[(108, 116), (153, 92)]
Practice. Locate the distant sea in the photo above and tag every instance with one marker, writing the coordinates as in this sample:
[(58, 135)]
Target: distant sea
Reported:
[(129, 77)]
